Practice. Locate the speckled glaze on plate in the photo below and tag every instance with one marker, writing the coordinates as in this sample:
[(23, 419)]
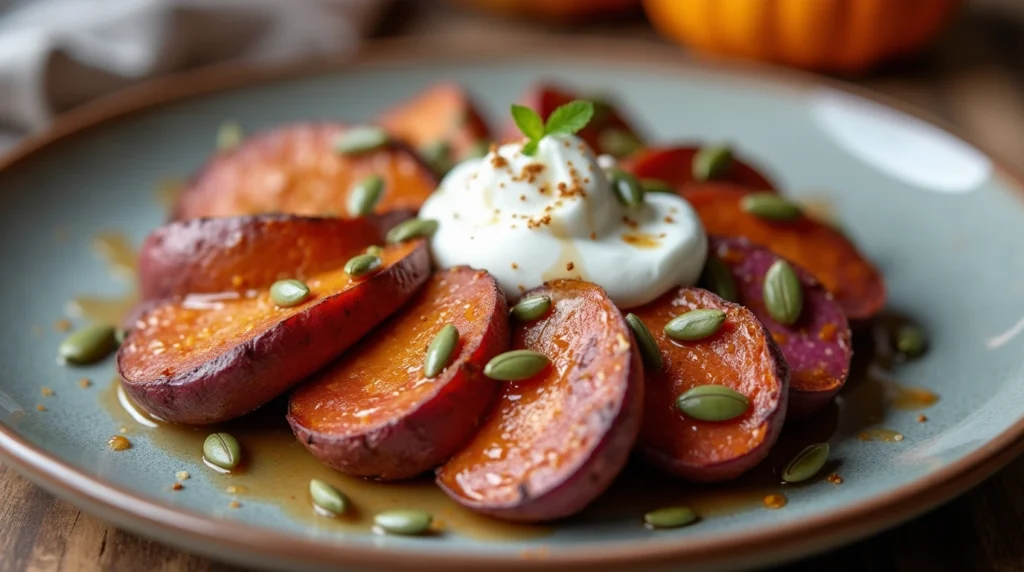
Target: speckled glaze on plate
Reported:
[(941, 219)]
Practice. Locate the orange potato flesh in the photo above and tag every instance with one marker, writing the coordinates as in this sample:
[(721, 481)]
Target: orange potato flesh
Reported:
[(741, 356), (443, 112), (295, 169), (374, 413), (534, 457)]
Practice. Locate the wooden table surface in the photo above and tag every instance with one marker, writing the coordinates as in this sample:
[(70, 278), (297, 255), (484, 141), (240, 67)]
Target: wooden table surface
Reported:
[(974, 78)]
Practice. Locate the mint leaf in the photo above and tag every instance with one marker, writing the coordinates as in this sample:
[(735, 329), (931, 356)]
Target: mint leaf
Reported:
[(528, 122), (530, 149), (569, 118)]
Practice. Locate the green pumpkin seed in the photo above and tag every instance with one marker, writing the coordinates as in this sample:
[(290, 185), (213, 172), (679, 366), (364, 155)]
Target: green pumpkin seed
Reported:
[(695, 325), (711, 162), (670, 517), (362, 265), (289, 293), (478, 149), (656, 186), (119, 336), (770, 206), (404, 521), (717, 278), (516, 365), (365, 195), (531, 308), (410, 229), (440, 351), (911, 341), (88, 345), (618, 142), (627, 188), (645, 341), (375, 250), (783, 294), (712, 403), (327, 498), (806, 464), (439, 156), (222, 450), (229, 136), (361, 140)]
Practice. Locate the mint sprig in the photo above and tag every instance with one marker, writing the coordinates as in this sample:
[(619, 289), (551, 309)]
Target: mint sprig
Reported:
[(567, 119)]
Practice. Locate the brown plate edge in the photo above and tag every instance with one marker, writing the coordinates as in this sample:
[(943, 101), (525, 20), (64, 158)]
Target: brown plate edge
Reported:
[(263, 547)]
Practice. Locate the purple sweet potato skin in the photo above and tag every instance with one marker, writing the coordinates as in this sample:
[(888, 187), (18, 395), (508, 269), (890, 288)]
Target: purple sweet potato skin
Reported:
[(818, 347)]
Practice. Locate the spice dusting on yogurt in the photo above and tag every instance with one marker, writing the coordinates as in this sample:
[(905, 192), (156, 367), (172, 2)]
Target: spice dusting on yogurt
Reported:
[(528, 219)]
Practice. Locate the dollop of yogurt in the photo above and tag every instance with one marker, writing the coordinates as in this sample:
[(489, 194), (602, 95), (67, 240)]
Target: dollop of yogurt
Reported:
[(530, 219)]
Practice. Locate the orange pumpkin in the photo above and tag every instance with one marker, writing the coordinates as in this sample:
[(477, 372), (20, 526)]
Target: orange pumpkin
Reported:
[(563, 11), (845, 36)]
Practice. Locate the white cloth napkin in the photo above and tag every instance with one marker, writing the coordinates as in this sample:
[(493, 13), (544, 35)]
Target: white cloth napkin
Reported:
[(57, 54)]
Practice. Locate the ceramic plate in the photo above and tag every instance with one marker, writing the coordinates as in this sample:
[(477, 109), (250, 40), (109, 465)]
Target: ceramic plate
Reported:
[(942, 220)]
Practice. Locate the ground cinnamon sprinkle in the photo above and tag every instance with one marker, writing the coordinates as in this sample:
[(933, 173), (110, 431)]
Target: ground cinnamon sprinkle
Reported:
[(85, 383), (515, 266), (177, 487), (497, 161), (593, 236), (522, 198), (835, 479), (630, 222), (570, 266), (922, 418), (670, 220)]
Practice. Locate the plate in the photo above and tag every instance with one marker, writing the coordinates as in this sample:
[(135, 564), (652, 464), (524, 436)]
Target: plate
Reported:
[(940, 217)]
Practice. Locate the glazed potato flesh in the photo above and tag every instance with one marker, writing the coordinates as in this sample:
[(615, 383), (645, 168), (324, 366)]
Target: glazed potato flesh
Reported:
[(545, 425), (182, 334)]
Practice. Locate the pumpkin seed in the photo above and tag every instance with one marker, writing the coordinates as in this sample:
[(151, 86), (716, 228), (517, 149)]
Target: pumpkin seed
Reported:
[(695, 325), (806, 464), (327, 498), (531, 308), (362, 265), (783, 294), (516, 365), (404, 521), (119, 335), (361, 140), (88, 345), (770, 206), (479, 148), (440, 351), (410, 229), (618, 142), (375, 250), (645, 341), (229, 136), (911, 340), (712, 403), (222, 450), (717, 278), (439, 156), (627, 187), (656, 186), (711, 162), (365, 195), (289, 293), (670, 517)]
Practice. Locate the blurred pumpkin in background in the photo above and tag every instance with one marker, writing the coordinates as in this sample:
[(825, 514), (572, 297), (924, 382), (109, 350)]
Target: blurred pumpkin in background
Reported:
[(843, 36), (561, 11)]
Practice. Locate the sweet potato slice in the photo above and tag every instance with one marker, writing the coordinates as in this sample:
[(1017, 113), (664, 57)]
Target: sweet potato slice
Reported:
[(557, 440), (674, 165), (207, 358), (821, 250), (296, 169), (607, 132), (374, 413), (818, 348), (239, 253), (441, 114), (742, 356)]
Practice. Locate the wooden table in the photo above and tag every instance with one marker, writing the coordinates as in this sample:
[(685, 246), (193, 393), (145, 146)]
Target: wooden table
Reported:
[(974, 78)]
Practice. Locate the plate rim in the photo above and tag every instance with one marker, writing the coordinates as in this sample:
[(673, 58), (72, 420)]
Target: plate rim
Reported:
[(194, 531)]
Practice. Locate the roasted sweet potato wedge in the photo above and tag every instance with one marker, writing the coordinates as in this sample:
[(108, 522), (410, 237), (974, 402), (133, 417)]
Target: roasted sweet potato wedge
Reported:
[(556, 441), (608, 132), (817, 348), (818, 248), (374, 413), (297, 169), (742, 356), (240, 253), (674, 165), (442, 115), (206, 358)]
